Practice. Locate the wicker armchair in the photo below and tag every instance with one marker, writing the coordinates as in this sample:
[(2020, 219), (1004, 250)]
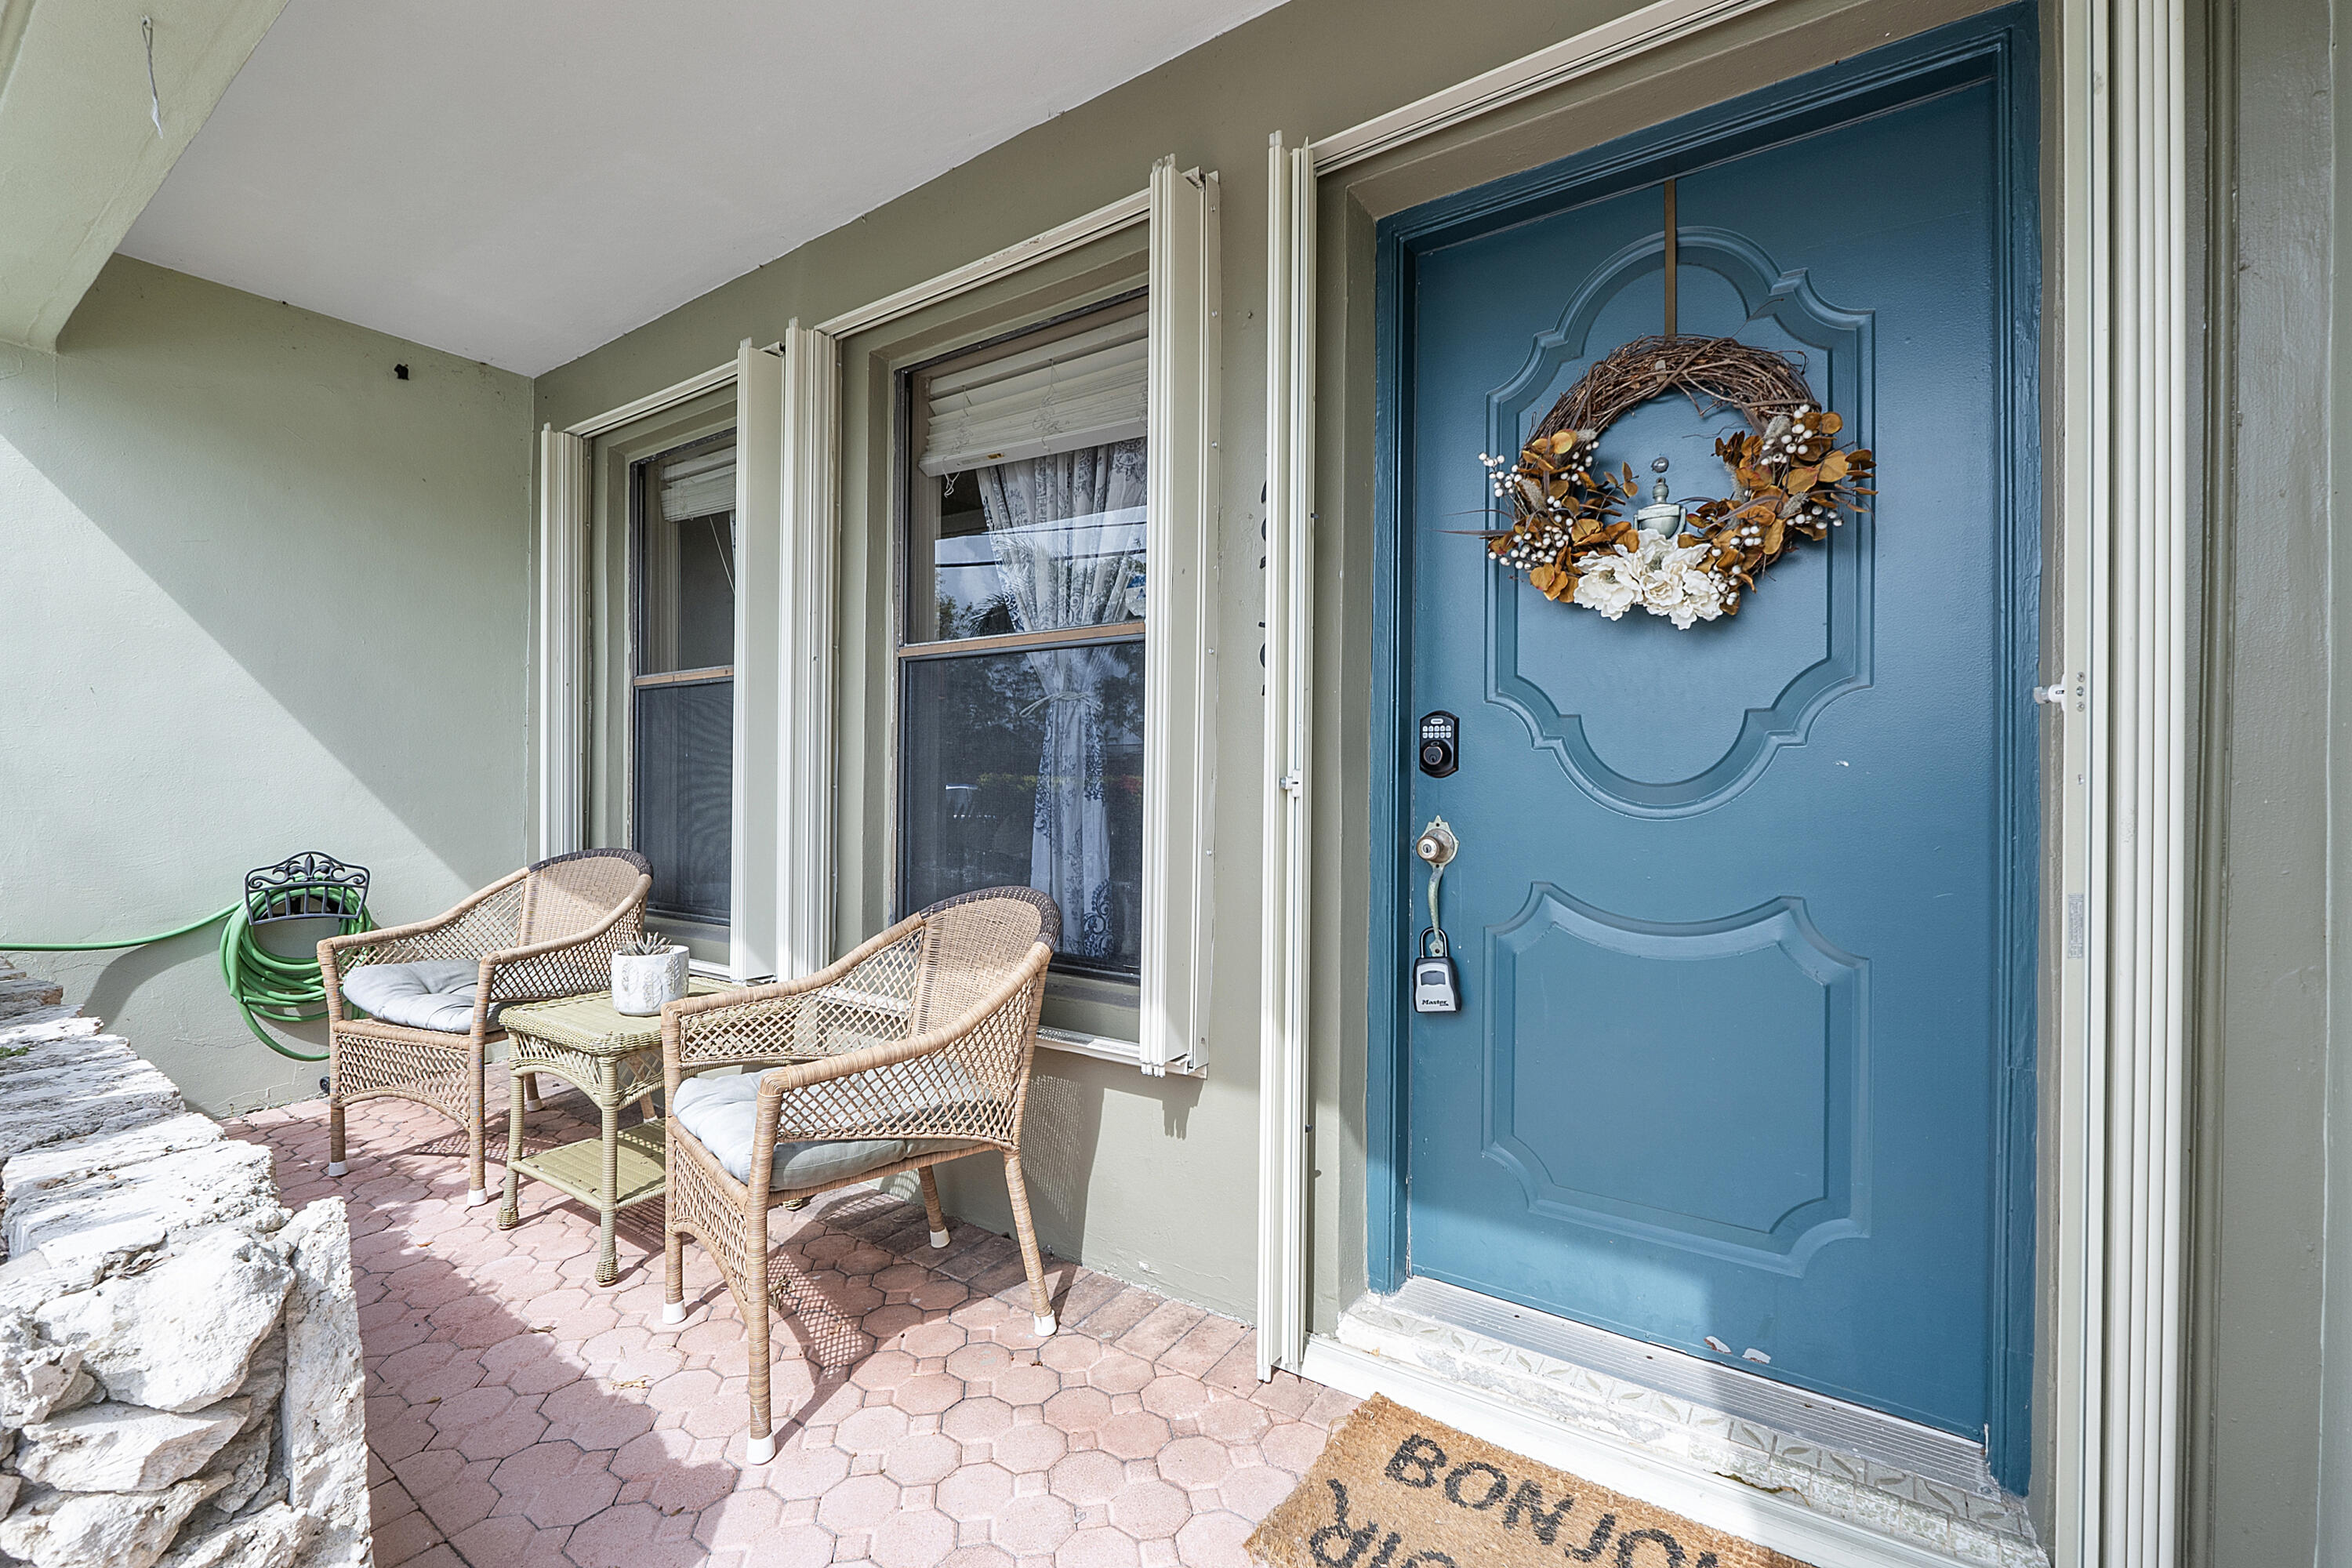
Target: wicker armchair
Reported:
[(911, 1052), (548, 929)]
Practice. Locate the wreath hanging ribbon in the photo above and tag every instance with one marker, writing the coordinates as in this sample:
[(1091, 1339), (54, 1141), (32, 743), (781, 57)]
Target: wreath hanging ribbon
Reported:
[(1791, 478)]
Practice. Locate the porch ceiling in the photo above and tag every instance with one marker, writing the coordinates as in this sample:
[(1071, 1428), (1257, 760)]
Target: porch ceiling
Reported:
[(522, 181)]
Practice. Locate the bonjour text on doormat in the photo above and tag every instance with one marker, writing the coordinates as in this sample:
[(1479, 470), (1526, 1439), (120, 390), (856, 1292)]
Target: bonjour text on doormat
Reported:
[(1395, 1490)]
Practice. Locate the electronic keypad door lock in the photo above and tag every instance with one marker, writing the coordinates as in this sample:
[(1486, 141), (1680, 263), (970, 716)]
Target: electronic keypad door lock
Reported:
[(1440, 743)]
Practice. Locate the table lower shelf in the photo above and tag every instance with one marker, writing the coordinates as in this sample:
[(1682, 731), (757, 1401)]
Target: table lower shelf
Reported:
[(578, 1169)]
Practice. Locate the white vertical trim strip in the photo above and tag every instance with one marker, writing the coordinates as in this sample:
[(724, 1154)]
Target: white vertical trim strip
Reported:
[(1289, 714), (759, 551), (562, 648), (2123, 105), (2080, 1119), (1180, 707), (1617, 39), (805, 866)]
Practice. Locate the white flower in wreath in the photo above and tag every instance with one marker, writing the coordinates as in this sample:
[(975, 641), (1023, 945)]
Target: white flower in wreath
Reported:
[(1609, 583), (1662, 576)]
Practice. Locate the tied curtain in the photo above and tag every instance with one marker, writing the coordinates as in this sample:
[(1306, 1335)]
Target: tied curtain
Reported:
[(1067, 533)]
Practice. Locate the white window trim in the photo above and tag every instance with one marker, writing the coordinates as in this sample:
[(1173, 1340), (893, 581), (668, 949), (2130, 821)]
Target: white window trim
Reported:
[(558, 710), (808, 430), (787, 526), (760, 558), (2118, 811), (1180, 210), (1284, 889), (1180, 633)]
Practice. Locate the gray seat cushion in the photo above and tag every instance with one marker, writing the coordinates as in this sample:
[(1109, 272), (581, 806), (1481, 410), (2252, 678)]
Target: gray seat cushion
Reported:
[(720, 1111), (430, 994)]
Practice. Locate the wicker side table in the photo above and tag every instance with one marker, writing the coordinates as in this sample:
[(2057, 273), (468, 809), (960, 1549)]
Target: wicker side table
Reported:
[(616, 1060)]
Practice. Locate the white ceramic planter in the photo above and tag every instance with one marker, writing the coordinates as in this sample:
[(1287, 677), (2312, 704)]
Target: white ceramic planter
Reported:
[(642, 982)]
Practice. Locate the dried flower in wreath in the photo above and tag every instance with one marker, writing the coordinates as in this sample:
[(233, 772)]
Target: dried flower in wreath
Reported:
[(1791, 480)]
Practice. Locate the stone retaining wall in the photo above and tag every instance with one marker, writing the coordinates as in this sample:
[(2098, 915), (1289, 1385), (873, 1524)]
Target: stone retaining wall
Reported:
[(180, 1379)]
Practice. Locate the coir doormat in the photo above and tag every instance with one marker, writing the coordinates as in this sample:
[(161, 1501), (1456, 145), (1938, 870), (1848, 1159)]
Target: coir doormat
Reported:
[(1394, 1489)]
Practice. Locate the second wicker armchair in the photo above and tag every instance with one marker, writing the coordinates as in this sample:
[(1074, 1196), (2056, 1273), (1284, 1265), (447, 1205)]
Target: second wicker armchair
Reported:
[(911, 1052), (433, 989)]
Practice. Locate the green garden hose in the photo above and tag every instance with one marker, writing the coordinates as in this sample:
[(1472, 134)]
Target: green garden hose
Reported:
[(263, 984)]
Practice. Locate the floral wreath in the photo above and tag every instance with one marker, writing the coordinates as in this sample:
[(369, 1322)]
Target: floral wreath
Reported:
[(1687, 563)]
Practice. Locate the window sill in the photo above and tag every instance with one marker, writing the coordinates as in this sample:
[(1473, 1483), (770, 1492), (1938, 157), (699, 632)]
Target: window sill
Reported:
[(1103, 1049)]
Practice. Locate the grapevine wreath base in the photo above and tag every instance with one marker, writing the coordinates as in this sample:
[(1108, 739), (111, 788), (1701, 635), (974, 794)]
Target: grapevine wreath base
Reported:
[(1791, 482)]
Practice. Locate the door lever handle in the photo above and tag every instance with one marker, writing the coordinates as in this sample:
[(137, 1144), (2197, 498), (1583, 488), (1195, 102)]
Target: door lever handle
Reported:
[(1435, 989), (1436, 845)]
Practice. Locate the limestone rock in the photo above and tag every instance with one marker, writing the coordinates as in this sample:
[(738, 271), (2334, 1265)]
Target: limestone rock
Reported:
[(99, 1529), (322, 1413), (34, 1374), (77, 1158), (21, 994), (62, 1209), (268, 1539), (74, 1085), (264, 1378), (244, 1464), (181, 1335), (114, 1448), (8, 1485), (45, 1024)]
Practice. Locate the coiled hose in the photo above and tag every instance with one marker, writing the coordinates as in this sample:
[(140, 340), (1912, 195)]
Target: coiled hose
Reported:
[(264, 985)]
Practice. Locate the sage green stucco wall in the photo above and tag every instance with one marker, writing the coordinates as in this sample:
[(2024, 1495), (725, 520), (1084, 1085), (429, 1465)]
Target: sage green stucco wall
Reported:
[(256, 596)]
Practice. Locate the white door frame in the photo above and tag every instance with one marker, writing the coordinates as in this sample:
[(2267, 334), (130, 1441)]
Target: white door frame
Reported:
[(2115, 896)]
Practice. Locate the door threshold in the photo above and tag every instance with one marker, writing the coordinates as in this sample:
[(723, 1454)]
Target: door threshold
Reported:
[(1731, 1391), (1821, 1501)]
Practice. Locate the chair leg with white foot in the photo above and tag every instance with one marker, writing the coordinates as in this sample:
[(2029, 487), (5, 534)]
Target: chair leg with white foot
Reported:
[(931, 1209)]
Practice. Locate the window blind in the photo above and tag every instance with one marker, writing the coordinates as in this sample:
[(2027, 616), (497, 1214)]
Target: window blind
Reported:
[(698, 484), (1084, 390)]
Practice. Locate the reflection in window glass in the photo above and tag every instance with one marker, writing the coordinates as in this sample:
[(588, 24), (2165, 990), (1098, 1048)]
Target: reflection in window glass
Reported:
[(1020, 750), (1039, 545), (1028, 768), (682, 712)]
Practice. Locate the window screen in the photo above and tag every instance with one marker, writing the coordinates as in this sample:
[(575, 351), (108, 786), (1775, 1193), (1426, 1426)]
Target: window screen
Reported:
[(682, 730)]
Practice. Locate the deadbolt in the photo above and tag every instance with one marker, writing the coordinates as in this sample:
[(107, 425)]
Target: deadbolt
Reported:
[(1440, 742)]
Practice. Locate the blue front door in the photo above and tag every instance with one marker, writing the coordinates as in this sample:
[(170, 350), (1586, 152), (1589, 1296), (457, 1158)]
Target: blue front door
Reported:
[(1744, 914)]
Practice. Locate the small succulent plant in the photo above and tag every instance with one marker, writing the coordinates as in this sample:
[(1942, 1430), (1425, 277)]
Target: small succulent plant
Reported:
[(646, 944)]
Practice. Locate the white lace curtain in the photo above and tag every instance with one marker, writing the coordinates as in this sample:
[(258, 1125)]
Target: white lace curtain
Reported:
[(1068, 534)]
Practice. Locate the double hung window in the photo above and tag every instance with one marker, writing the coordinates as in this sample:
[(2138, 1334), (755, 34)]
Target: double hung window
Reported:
[(1021, 715), (682, 682)]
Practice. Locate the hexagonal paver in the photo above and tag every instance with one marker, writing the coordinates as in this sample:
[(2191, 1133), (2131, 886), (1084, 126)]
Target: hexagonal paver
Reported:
[(1150, 1510), (975, 1491), (1092, 1476), (912, 1538), (871, 1430), (922, 1459), (1037, 1523), (1197, 1461), (860, 1502), (1213, 1541), (1029, 1447), (976, 1419), (1078, 1409), (1134, 1435), (1105, 1547), (1175, 1397)]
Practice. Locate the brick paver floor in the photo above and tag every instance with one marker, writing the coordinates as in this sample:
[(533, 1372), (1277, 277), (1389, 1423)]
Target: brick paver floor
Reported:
[(520, 1416)]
